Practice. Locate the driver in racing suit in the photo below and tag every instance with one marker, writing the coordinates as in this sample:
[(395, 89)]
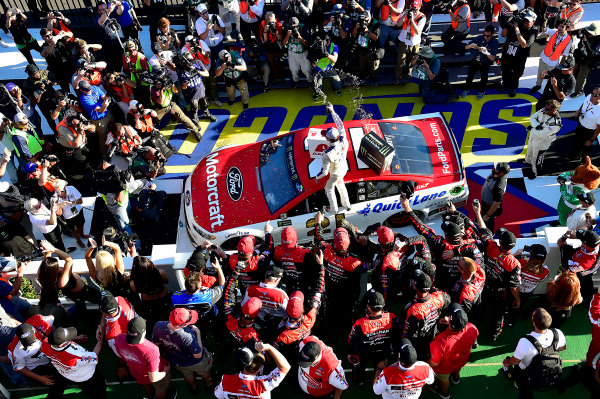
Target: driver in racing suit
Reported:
[(334, 163), (545, 124)]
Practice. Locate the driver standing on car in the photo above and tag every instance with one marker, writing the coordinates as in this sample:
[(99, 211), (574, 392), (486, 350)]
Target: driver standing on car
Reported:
[(334, 163)]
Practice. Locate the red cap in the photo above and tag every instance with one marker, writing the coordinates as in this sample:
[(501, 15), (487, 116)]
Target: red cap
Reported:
[(385, 235), (289, 238), (295, 306), (341, 239), (246, 245), (183, 316), (252, 307)]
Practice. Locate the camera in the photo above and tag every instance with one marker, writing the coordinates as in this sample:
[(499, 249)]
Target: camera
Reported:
[(564, 237), (271, 27), (36, 253), (295, 32), (362, 22), (420, 61), (156, 76), (49, 158), (526, 248), (215, 20), (230, 64)]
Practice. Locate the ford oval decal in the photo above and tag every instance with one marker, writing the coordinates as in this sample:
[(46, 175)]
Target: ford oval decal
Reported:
[(235, 183)]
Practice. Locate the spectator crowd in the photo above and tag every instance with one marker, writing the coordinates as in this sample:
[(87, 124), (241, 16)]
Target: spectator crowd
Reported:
[(266, 304)]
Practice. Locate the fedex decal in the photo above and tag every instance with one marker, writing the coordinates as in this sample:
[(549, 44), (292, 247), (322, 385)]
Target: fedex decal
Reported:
[(214, 209), (440, 148)]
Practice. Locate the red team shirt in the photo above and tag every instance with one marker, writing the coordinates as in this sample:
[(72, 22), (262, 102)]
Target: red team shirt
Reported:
[(244, 386), (529, 279), (117, 325), (397, 382), (451, 349), (274, 300), (141, 359), (593, 353), (325, 376)]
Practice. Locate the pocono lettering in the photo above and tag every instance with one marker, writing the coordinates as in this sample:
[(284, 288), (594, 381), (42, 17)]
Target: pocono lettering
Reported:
[(440, 148), (211, 187)]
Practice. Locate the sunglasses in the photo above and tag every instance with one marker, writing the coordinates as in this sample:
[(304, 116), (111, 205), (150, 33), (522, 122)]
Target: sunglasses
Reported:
[(595, 95), (47, 36), (487, 35), (204, 12)]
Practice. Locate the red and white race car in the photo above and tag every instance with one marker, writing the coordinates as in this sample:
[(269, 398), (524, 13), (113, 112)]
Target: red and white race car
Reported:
[(234, 190)]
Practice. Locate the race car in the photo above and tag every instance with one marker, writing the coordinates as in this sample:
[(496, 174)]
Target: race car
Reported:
[(234, 190)]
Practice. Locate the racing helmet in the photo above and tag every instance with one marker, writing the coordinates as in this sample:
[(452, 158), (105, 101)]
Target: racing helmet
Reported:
[(332, 134)]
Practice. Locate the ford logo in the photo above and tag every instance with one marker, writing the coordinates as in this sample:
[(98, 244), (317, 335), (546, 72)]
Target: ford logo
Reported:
[(235, 183)]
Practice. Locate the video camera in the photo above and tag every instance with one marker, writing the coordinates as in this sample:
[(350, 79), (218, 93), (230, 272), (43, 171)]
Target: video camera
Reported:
[(519, 17), (36, 253), (156, 76), (362, 22)]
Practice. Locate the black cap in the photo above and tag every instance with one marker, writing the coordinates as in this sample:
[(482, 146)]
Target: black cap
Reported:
[(135, 330), (424, 265), (455, 219), (26, 334), (62, 335), (587, 198), (197, 260), (568, 63), (507, 239), (274, 271), (588, 237), (458, 317), (84, 85), (538, 251), (502, 167), (244, 356), (375, 300), (407, 353), (452, 230), (31, 69), (108, 303), (421, 281), (308, 354)]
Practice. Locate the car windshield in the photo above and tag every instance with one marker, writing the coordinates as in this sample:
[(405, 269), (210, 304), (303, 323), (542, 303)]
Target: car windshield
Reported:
[(278, 175), (412, 153)]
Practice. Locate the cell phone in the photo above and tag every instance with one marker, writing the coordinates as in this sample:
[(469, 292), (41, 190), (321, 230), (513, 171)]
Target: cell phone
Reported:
[(92, 242)]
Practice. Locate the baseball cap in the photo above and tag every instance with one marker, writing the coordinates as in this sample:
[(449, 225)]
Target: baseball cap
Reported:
[(10, 86), (84, 85), (568, 63), (530, 15), (421, 281), (375, 300), (341, 239), (502, 167), (26, 334), (31, 69), (244, 356), (135, 330), (289, 237), (455, 219), (31, 167), (62, 335), (407, 353), (223, 53), (201, 7), (295, 306), (197, 260), (246, 245), (587, 198), (4, 186), (426, 52), (308, 354), (458, 317), (588, 237), (108, 303), (274, 271), (507, 238), (20, 117), (252, 307), (424, 265), (183, 316), (538, 251), (294, 21), (452, 230), (385, 235)]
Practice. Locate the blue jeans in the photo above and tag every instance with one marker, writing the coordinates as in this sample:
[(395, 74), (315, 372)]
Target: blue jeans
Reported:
[(121, 215), (387, 34)]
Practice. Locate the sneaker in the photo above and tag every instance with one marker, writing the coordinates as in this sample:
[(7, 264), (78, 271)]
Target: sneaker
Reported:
[(315, 97), (245, 106), (475, 345), (198, 135), (454, 380), (217, 103), (464, 93), (396, 81), (435, 389), (576, 94), (338, 93), (534, 89), (512, 93), (210, 117), (480, 95), (3, 44), (531, 176), (522, 160), (71, 249), (230, 103)]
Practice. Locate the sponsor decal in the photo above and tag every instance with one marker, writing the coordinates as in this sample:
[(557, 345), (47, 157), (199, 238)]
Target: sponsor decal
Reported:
[(415, 200), (235, 183), (188, 198), (283, 223), (456, 190), (214, 209), (441, 153)]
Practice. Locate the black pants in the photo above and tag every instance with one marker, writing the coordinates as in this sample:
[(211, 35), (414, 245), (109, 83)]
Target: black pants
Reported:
[(501, 300), (26, 51), (490, 223), (522, 380), (582, 135), (483, 69), (453, 41), (55, 238), (95, 387), (512, 70), (366, 358), (247, 29)]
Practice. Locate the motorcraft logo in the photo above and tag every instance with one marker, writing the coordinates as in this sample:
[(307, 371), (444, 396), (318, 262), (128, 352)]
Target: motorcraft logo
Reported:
[(235, 183)]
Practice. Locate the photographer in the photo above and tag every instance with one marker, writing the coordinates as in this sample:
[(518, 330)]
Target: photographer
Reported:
[(45, 221), (483, 49), (21, 103), (95, 103), (509, 9), (120, 88), (560, 83), (364, 41), (165, 61), (257, 66), (39, 88), (155, 10), (161, 98), (572, 12), (66, 104), (125, 15), (57, 24), (515, 51), (149, 163), (72, 138), (338, 27), (544, 125), (325, 56), (15, 23), (232, 67), (586, 56), (70, 210), (426, 68), (88, 72), (555, 52), (28, 146), (190, 75), (123, 141), (141, 119), (460, 14), (390, 13), (81, 49), (301, 9), (166, 37), (134, 62), (588, 126), (271, 35), (210, 28), (58, 55), (296, 40), (251, 12), (411, 24)]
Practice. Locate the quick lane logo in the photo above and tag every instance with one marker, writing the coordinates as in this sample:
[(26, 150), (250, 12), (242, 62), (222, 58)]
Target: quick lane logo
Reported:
[(414, 201), (235, 183), (214, 209)]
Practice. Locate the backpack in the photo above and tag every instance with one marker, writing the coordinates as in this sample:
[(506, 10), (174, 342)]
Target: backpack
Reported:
[(11, 204), (161, 143), (545, 368)]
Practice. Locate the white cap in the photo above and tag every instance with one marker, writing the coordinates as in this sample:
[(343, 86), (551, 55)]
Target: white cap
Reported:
[(133, 104), (4, 185), (332, 133), (21, 117), (201, 7)]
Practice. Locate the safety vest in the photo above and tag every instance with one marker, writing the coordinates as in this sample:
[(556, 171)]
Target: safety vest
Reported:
[(34, 143), (75, 133), (197, 55), (455, 23), (412, 29), (63, 28), (7, 282), (565, 14), (145, 123), (559, 49), (119, 92), (166, 99), (245, 7), (386, 12), (138, 67), (126, 142)]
